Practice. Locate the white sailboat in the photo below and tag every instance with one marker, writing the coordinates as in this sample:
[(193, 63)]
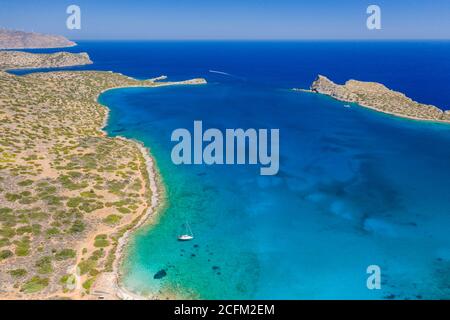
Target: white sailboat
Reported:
[(188, 235)]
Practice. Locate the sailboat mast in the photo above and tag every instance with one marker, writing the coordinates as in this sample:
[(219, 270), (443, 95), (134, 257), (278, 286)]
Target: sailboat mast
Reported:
[(188, 229)]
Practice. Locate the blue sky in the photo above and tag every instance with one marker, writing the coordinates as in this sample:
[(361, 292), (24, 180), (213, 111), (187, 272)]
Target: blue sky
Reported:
[(231, 19)]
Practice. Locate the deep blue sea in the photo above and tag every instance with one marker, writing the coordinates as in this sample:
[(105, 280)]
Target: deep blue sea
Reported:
[(355, 187)]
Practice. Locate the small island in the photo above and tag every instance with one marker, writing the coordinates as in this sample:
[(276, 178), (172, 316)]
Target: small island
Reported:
[(380, 98), (12, 39)]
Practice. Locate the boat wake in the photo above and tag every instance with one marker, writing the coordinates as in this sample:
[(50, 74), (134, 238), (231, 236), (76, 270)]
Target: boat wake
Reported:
[(221, 72), (226, 74)]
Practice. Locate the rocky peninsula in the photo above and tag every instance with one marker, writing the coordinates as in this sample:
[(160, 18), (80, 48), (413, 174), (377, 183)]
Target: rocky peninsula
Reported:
[(11, 39), (69, 194), (10, 60), (380, 98)]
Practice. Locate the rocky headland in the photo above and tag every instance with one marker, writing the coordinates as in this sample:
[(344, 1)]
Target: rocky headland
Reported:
[(378, 97), (69, 194)]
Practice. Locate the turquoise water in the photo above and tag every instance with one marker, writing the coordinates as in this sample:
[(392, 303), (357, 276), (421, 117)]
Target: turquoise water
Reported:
[(355, 188)]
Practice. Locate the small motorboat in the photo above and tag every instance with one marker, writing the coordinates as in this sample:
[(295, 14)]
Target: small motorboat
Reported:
[(188, 235)]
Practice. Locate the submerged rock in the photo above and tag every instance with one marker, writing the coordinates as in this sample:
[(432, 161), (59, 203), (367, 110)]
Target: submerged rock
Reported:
[(160, 274), (443, 254), (343, 210), (379, 226)]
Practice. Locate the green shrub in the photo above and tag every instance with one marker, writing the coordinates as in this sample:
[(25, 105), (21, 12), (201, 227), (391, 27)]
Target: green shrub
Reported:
[(27, 200), (86, 266), (112, 219), (88, 283), (44, 265), (17, 273), (25, 183), (4, 242), (97, 254), (65, 254), (94, 272), (12, 197), (22, 249), (74, 202), (35, 284), (75, 174), (77, 227), (91, 206), (123, 210), (5, 211), (101, 241), (7, 232), (36, 229), (88, 194), (5, 254), (64, 279), (52, 231), (38, 215), (52, 200), (23, 230)]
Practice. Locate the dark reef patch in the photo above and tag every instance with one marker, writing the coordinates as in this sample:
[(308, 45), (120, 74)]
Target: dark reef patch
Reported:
[(160, 274)]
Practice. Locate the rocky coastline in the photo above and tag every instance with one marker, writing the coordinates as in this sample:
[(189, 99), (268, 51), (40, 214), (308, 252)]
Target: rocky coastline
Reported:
[(378, 97)]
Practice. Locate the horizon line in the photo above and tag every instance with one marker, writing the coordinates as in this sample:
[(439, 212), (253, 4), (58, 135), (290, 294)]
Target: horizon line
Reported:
[(257, 39)]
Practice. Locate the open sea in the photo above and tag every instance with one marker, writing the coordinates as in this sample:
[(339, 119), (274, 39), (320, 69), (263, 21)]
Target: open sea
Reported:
[(355, 187)]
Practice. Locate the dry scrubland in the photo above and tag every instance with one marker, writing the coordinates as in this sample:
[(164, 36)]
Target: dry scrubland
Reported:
[(376, 96), (67, 191)]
